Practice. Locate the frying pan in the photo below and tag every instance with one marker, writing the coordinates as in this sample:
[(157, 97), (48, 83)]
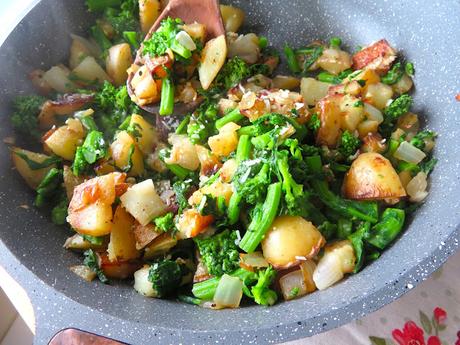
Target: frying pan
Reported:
[(426, 32)]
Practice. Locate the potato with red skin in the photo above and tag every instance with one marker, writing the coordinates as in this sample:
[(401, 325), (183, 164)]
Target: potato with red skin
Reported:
[(378, 56), (117, 269), (372, 177)]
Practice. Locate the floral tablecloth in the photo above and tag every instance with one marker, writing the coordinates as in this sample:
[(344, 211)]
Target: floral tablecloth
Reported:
[(427, 315)]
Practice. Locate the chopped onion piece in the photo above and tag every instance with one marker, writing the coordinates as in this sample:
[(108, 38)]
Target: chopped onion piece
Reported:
[(255, 259), (292, 285), (416, 188), (409, 153), (328, 271), (83, 272), (373, 113), (185, 40), (229, 292), (308, 267)]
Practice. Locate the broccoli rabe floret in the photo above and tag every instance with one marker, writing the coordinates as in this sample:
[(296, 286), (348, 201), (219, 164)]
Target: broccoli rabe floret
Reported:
[(419, 139), (93, 148), (232, 73), (165, 38), (165, 223), (314, 123), (398, 107), (26, 110), (124, 19), (165, 276), (261, 291), (348, 144), (59, 212), (48, 187), (100, 5), (92, 262), (219, 252)]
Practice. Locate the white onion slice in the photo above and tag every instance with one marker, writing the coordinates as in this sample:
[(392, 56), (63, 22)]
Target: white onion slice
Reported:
[(416, 188), (292, 285), (229, 292), (328, 271), (409, 153), (185, 40), (373, 113), (255, 259)]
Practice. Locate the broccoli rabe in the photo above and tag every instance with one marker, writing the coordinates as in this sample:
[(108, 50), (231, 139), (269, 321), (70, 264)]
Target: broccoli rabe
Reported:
[(26, 110), (183, 189), (419, 139), (124, 19), (165, 223), (165, 276), (261, 291), (394, 74), (164, 38), (234, 71), (219, 252), (92, 262), (202, 122), (397, 108), (48, 187), (385, 231), (100, 5), (93, 148), (59, 212), (314, 123), (348, 144)]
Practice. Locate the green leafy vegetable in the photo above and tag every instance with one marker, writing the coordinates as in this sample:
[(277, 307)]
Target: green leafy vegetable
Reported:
[(93, 148), (164, 38), (92, 262), (262, 293), (394, 74), (165, 223), (384, 232), (419, 139), (25, 115), (48, 187), (165, 276), (219, 252), (348, 144)]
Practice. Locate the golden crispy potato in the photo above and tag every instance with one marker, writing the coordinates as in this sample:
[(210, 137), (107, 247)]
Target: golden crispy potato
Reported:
[(212, 59), (125, 153), (118, 60), (148, 136), (331, 121), (94, 220), (313, 90), (64, 141), (33, 177), (334, 60), (208, 161), (289, 240), (144, 234), (191, 223), (226, 141), (183, 152), (117, 269), (352, 112), (149, 10), (285, 82), (122, 245), (160, 245), (232, 17), (70, 181), (372, 177), (143, 202)]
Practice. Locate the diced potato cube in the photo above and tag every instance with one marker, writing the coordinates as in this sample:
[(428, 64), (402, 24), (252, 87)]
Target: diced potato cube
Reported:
[(352, 112), (313, 90), (89, 71), (94, 220), (378, 56), (126, 154), (122, 245), (366, 127), (183, 152), (378, 95), (160, 245), (208, 161), (403, 85), (228, 170), (191, 223), (64, 141), (226, 141), (212, 59), (233, 17), (70, 181), (369, 76), (285, 82), (334, 60), (118, 60), (148, 136), (149, 10), (33, 177), (196, 31), (142, 284), (330, 117), (144, 234), (143, 202)]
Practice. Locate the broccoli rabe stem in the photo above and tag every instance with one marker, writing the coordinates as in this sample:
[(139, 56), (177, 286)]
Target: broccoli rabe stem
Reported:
[(243, 152), (167, 97), (263, 217), (291, 59), (385, 231), (99, 5), (250, 130), (232, 116), (205, 290)]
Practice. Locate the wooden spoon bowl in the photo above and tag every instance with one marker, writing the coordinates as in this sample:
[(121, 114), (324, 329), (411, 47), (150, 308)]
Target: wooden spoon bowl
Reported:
[(206, 12)]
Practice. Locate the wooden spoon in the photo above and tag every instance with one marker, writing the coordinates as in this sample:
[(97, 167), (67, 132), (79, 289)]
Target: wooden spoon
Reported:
[(205, 12)]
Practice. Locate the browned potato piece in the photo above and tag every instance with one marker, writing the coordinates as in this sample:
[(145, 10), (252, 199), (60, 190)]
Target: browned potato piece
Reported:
[(313, 90), (118, 61), (232, 17), (159, 245), (144, 234), (70, 181), (125, 152), (372, 177), (285, 82), (289, 240), (196, 31), (148, 136), (65, 140), (94, 220), (122, 245), (31, 176), (149, 10), (334, 60), (117, 269), (330, 117), (226, 141), (212, 59), (208, 161)]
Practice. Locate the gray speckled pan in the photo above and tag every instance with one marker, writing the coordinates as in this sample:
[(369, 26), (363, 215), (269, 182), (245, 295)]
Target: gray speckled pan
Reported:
[(426, 32)]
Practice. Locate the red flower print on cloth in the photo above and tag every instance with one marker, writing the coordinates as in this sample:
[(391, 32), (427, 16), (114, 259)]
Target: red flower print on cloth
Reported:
[(411, 334), (440, 315), (433, 341)]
